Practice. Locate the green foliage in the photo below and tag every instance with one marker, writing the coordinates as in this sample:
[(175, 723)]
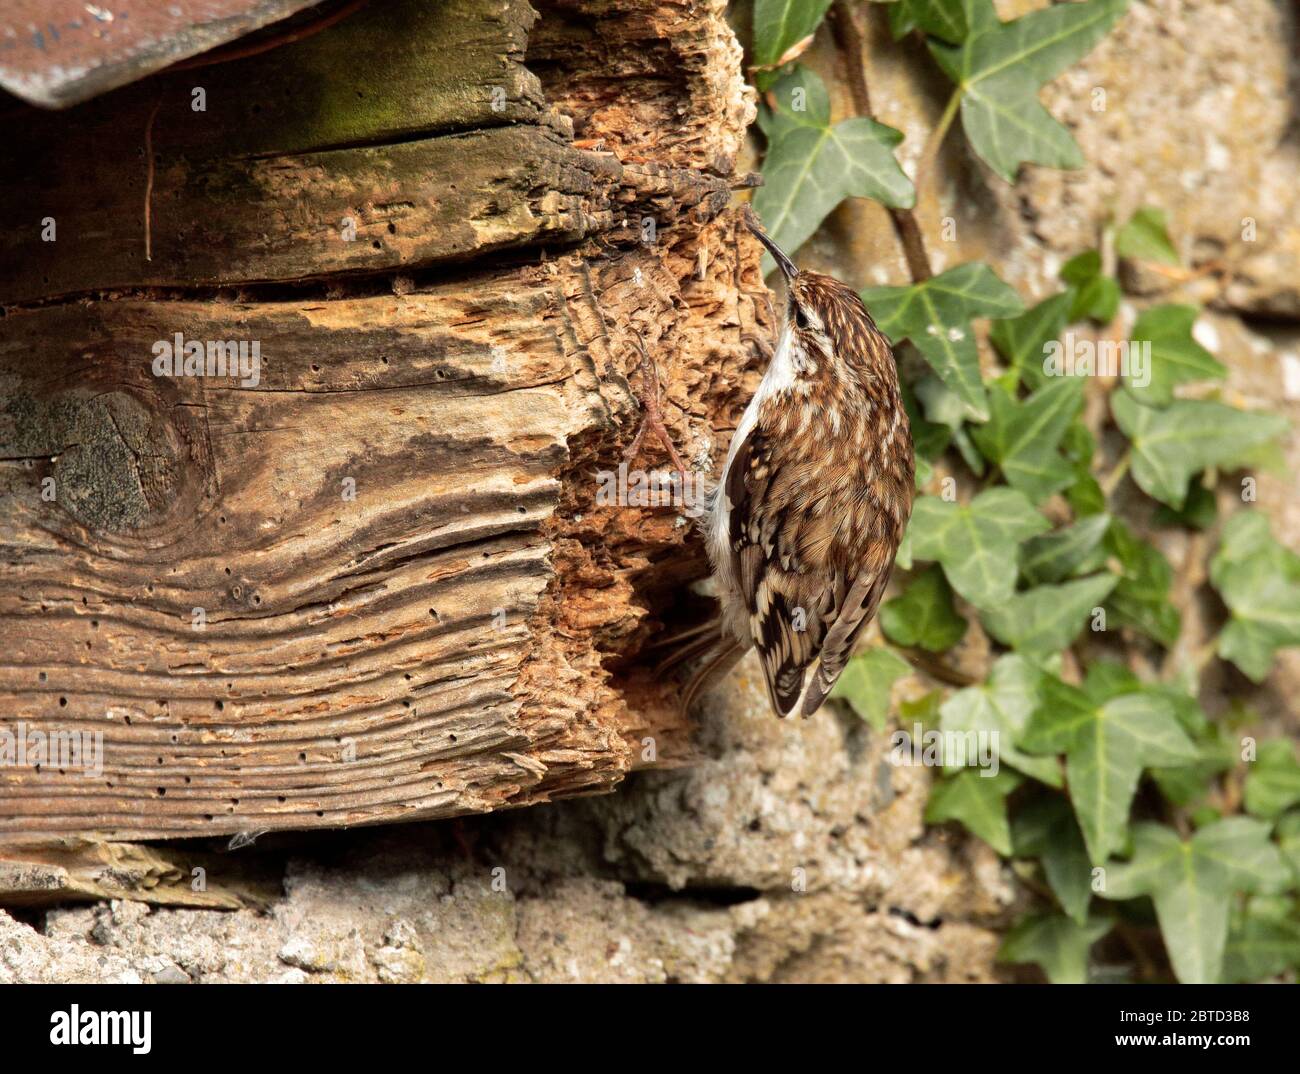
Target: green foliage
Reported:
[(1107, 743), (976, 543), (998, 68), (1192, 882), (1002, 705), (1273, 784), (867, 681), (1045, 829), (1047, 618), (1093, 294), (1021, 340), (1176, 357), (1075, 549), (1172, 443), (924, 614), (1022, 437), (1259, 581), (1263, 940), (935, 317), (1146, 238), (977, 800), (813, 164), (1059, 944), (1141, 596), (780, 27), (1115, 795)]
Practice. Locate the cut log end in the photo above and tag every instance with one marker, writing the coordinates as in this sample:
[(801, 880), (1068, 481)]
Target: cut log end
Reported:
[(375, 578)]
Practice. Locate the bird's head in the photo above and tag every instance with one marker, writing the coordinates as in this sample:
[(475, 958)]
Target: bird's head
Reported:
[(827, 317)]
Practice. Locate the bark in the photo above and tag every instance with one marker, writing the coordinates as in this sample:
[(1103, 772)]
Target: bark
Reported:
[(412, 604)]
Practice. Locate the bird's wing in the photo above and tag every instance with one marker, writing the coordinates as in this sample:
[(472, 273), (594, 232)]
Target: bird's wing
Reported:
[(796, 615), (852, 616), (785, 611)]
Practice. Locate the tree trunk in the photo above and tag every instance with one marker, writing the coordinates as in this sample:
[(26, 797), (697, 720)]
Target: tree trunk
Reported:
[(372, 581)]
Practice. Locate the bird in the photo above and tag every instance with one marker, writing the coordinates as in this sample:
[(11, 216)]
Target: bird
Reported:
[(805, 521)]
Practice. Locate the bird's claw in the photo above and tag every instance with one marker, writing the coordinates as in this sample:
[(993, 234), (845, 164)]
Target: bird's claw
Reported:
[(652, 414)]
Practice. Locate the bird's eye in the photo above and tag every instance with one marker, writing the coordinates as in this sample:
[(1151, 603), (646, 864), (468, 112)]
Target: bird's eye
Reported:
[(800, 319)]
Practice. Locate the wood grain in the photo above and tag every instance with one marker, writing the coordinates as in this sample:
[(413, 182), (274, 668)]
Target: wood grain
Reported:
[(375, 584)]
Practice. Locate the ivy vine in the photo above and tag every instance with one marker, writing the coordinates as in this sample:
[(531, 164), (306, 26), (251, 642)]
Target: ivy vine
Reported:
[(1122, 805)]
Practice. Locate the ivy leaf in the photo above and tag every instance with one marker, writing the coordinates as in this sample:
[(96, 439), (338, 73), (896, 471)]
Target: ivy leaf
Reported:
[(867, 681), (1022, 437), (1273, 783), (929, 438), (782, 28), (923, 472), (1259, 580), (1085, 496), (1288, 841), (946, 19), (1057, 944), (1096, 295), (1022, 340), (1171, 444), (1046, 830), (1108, 679), (976, 543), (1076, 549), (1047, 618), (998, 69), (1146, 238), (1176, 358), (1106, 745), (901, 20), (1000, 707), (1198, 512), (1189, 784), (903, 557), (812, 165), (1141, 597), (979, 801), (935, 316), (924, 614), (1262, 943), (943, 407), (1192, 882)]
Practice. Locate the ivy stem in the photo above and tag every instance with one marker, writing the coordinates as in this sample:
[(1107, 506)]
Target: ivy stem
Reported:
[(1111, 481), (852, 46), (931, 151), (1204, 653)]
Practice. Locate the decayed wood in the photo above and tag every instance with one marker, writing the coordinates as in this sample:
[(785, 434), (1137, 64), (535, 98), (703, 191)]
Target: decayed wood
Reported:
[(415, 122), (409, 602), (343, 210)]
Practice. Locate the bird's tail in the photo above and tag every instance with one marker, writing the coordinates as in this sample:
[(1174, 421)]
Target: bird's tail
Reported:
[(720, 658), (712, 651)]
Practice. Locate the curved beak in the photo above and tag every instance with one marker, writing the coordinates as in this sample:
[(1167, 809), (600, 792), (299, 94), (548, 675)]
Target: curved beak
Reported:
[(778, 255)]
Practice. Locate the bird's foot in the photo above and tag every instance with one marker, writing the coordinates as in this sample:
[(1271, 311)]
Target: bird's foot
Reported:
[(652, 420)]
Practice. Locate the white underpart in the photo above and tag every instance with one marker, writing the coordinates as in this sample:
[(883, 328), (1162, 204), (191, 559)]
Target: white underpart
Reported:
[(780, 378)]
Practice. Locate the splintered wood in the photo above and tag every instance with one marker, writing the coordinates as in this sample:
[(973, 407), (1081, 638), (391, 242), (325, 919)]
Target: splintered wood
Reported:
[(300, 523)]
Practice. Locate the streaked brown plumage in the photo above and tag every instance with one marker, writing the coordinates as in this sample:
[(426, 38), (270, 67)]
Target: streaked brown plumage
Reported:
[(813, 500)]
